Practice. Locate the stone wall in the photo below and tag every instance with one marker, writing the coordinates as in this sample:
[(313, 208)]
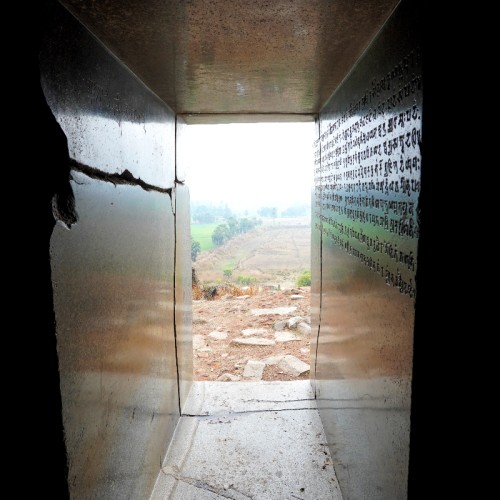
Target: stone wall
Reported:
[(365, 238), (120, 280)]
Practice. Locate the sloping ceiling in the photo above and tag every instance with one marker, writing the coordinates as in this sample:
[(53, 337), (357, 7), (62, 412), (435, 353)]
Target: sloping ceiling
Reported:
[(237, 56)]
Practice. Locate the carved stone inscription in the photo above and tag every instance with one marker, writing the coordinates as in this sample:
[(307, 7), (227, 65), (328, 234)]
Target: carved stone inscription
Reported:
[(367, 173)]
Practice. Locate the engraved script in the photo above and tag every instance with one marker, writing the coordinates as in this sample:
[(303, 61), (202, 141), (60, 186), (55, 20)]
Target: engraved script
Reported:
[(367, 174)]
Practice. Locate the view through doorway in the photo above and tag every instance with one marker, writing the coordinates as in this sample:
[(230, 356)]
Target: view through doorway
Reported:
[(250, 189)]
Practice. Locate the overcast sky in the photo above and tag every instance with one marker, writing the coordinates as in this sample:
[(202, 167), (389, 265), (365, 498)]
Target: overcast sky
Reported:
[(249, 165)]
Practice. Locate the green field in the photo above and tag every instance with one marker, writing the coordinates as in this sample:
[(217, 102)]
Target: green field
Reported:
[(202, 233)]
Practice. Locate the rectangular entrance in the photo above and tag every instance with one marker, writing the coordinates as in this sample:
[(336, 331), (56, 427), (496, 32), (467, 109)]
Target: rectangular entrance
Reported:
[(250, 190)]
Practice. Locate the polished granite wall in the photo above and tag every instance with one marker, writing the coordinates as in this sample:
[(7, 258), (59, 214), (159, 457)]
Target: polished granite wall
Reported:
[(120, 269), (365, 235)]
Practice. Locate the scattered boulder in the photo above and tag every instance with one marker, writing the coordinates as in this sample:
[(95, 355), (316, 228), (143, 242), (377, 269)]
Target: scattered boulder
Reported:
[(228, 377), (294, 321), (209, 292), (267, 321), (304, 328), (280, 325), (198, 341), (218, 335), (285, 337), (268, 287), (273, 360), (254, 369), (252, 341), (293, 366), (247, 332)]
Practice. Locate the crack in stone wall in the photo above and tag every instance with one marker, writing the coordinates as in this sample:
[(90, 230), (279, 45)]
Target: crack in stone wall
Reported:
[(126, 177)]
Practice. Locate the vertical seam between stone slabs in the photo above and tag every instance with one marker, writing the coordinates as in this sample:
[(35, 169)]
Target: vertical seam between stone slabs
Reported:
[(320, 295), (174, 205)]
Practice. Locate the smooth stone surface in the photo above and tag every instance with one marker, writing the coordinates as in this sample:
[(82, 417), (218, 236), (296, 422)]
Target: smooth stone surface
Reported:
[(273, 453), (219, 397)]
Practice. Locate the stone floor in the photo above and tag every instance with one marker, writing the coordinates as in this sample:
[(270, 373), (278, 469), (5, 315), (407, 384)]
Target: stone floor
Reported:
[(249, 440)]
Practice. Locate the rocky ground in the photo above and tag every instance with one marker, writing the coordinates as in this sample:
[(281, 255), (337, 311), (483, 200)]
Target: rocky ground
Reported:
[(262, 332), (262, 335)]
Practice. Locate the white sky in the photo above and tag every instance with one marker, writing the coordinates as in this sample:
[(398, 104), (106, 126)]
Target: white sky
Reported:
[(249, 165)]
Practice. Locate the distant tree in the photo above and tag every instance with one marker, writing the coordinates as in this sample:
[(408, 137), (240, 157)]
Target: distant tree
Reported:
[(203, 214), (207, 213), (226, 212), (221, 234), (195, 250), (268, 211), (233, 225), (246, 224), (296, 211)]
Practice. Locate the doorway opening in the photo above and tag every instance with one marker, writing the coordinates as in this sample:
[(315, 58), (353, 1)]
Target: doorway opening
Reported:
[(250, 194)]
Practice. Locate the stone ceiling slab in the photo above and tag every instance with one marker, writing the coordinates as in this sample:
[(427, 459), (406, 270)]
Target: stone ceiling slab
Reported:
[(236, 56)]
